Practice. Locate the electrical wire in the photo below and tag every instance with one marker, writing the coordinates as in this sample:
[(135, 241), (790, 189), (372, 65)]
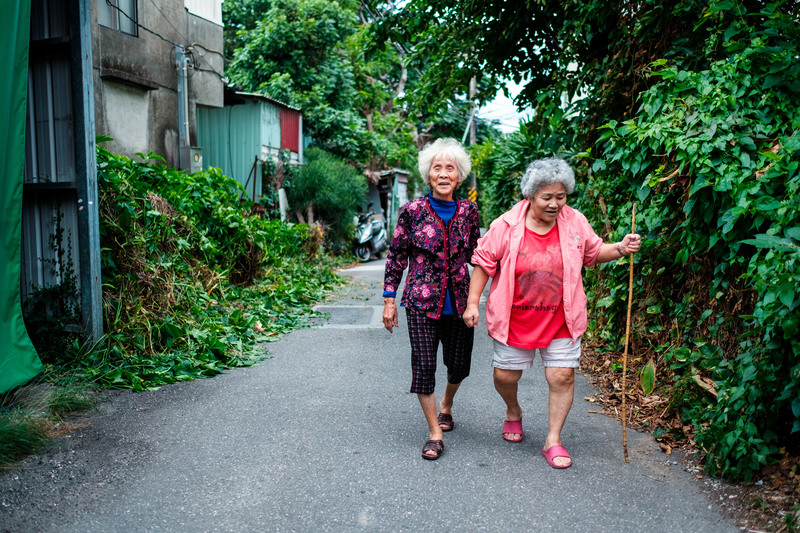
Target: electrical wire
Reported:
[(168, 21), (186, 49), (210, 50), (195, 56)]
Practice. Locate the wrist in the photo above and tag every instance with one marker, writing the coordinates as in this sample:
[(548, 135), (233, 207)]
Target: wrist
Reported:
[(619, 249)]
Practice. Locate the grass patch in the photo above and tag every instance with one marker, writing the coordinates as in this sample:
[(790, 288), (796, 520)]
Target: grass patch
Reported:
[(30, 415), (20, 436)]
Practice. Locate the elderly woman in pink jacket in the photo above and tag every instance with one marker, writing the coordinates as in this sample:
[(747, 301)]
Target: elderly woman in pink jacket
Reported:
[(534, 254)]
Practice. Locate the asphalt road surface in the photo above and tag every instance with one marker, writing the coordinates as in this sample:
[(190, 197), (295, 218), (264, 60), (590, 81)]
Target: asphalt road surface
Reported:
[(324, 436)]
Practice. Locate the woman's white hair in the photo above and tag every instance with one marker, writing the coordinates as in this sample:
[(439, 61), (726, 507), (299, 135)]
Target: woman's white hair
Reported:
[(447, 147), (549, 171)]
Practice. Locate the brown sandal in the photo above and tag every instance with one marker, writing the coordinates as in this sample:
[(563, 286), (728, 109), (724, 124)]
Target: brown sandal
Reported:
[(433, 446), (445, 421)]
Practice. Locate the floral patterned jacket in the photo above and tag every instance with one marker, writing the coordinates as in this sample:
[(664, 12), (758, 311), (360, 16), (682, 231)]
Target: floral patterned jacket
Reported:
[(434, 255)]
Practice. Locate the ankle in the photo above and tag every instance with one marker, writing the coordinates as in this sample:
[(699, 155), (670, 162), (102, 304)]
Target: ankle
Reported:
[(549, 442), (514, 414)]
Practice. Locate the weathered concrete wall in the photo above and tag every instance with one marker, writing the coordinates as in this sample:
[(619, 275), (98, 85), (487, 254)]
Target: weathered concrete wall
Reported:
[(127, 112), (135, 78)]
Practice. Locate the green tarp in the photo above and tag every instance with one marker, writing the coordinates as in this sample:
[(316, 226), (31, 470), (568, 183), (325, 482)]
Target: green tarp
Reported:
[(18, 360)]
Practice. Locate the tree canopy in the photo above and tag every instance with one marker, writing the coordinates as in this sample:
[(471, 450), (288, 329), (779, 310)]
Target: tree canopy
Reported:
[(355, 91)]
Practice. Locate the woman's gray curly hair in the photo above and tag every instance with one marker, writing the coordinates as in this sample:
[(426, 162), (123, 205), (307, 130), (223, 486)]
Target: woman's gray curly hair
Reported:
[(549, 171), (445, 146)]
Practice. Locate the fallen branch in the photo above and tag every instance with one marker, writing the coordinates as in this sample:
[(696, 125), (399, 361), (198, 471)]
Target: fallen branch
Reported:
[(705, 384)]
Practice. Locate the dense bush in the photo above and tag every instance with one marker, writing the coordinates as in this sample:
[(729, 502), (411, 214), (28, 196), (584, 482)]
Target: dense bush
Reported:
[(711, 155), (719, 150), (334, 190)]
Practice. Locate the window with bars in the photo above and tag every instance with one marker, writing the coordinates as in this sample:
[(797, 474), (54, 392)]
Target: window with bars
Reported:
[(120, 15)]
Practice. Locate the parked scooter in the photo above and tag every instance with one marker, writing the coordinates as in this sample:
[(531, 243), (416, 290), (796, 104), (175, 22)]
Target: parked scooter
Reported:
[(369, 236)]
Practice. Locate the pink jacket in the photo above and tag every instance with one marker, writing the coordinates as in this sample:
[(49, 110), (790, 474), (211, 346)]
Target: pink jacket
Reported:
[(497, 255)]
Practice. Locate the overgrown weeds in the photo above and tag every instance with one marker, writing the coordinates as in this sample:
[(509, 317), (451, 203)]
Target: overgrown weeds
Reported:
[(193, 283)]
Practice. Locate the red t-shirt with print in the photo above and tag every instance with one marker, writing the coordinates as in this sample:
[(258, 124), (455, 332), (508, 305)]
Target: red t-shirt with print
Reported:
[(537, 314)]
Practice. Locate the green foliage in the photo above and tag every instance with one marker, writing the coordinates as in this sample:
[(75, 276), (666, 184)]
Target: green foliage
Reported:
[(697, 123), (436, 36), (790, 520), (648, 378), (69, 398), (333, 188), (191, 283), (238, 17), (713, 155)]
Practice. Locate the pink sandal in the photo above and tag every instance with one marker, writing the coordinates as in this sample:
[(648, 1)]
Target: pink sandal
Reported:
[(512, 426), (556, 451)]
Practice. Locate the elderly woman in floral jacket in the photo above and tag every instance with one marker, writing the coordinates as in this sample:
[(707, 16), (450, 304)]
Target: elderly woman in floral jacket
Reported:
[(434, 238)]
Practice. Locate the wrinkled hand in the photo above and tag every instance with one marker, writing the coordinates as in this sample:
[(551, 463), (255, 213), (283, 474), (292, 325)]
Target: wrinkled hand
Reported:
[(630, 244), (471, 316), (389, 314)]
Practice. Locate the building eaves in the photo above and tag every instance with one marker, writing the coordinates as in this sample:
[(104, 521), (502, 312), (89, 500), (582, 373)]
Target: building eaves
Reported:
[(265, 98)]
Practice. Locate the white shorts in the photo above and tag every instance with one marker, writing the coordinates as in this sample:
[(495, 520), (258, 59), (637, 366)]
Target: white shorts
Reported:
[(560, 353)]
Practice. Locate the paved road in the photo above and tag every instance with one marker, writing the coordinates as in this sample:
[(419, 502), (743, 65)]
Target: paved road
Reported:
[(325, 437)]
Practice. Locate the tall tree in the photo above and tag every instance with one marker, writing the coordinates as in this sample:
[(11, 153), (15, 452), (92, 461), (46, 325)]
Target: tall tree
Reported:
[(356, 92), (238, 17), (294, 54)]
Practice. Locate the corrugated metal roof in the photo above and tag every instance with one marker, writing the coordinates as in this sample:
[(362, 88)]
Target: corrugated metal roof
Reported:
[(268, 99)]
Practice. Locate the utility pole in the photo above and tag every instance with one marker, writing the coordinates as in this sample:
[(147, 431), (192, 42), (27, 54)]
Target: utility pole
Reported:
[(181, 64), (472, 129), (473, 184)]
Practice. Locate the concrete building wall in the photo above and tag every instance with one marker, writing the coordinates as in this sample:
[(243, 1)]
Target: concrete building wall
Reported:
[(127, 112), (136, 78), (206, 87)]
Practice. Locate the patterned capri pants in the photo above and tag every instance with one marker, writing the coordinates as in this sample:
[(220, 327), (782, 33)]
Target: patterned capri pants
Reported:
[(425, 334)]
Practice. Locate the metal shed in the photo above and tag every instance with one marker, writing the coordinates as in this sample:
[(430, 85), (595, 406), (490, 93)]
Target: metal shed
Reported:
[(246, 132)]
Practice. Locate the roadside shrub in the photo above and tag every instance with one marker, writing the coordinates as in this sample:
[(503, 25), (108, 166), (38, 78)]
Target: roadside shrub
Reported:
[(720, 151), (334, 190)]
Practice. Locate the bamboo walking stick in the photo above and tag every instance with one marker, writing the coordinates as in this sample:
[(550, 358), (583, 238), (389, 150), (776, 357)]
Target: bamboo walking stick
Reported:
[(625, 353)]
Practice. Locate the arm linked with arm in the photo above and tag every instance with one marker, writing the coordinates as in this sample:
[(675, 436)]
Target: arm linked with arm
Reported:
[(476, 286)]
